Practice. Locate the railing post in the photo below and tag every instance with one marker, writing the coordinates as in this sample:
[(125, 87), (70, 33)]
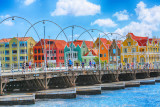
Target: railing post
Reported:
[(0, 68), (80, 65), (60, 66), (3, 67), (35, 67)]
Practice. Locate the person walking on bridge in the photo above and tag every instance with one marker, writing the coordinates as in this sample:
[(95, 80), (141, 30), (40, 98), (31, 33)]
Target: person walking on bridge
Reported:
[(90, 64), (123, 64), (70, 64)]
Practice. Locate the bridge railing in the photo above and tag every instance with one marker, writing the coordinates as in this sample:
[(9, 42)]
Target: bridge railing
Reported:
[(63, 67)]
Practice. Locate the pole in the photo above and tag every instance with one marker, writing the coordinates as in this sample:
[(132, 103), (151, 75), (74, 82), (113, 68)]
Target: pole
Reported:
[(44, 51), (72, 47), (116, 54), (49, 51), (18, 51), (99, 54)]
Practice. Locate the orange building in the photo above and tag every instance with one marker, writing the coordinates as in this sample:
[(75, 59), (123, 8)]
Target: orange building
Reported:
[(104, 48)]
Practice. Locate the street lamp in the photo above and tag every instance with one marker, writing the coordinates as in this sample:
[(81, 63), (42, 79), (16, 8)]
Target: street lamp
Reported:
[(99, 54)]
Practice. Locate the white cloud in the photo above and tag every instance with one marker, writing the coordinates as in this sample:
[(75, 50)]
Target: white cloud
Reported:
[(148, 21), (122, 15), (28, 2), (104, 23), (75, 7), (7, 22)]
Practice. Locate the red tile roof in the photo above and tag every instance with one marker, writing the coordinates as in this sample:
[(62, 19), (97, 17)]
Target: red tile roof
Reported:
[(137, 37), (105, 41), (5, 40), (23, 38), (142, 41), (89, 44), (94, 52), (56, 43)]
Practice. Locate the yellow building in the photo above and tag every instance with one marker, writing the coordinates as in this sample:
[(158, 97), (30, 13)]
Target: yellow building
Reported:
[(22, 47), (139, 50)]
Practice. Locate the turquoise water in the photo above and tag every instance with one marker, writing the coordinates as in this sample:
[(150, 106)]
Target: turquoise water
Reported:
[(143, 96)]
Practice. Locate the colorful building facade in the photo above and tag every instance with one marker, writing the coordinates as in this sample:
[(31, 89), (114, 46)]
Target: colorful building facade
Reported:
[(79, 47), (53, 51), (104, 48), (15, 51), (140, 50)]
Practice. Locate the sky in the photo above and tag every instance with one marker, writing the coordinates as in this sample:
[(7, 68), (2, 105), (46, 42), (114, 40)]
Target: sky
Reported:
[(141, 17)]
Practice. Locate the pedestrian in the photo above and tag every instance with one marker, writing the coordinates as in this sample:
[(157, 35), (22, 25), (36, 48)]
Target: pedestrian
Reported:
[(30, 64), (94, 64), (77, 65), (82, 65), (27, 66), (23, 67), (70, 63), (124, 64), (90, 64)]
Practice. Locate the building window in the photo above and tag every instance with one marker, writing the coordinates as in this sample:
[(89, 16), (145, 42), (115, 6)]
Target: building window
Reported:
[(101, 55), (35, 51), (7, 65), (39, 57), (42, 57), (14, 58), (125, 60), (51, 58), (104, 55), (54, 51), (22, 58), (6, 45), (22, 51), (55, 58), (83, 46), (39, 51), (83, 52), (7, 52), (133, 50), (47, 58), (14, 51), (102, 48), (7, 58), (125, 50), (129, 43), (35, 58), (14, 45), (153, 49), (85, 61), (114, 51)]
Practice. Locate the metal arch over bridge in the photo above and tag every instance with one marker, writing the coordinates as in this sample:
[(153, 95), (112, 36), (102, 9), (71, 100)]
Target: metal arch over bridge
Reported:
[(62, 77)]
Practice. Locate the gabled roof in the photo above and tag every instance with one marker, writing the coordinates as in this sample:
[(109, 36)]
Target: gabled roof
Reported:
[(94, 52), (23, 38), (76, 43), (89, 44), (142, 41), (137, 37), (105, 42), (56, 43), (5, 40)]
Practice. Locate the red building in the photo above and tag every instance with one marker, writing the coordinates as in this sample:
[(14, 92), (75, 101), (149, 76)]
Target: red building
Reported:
[(56, 55)]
